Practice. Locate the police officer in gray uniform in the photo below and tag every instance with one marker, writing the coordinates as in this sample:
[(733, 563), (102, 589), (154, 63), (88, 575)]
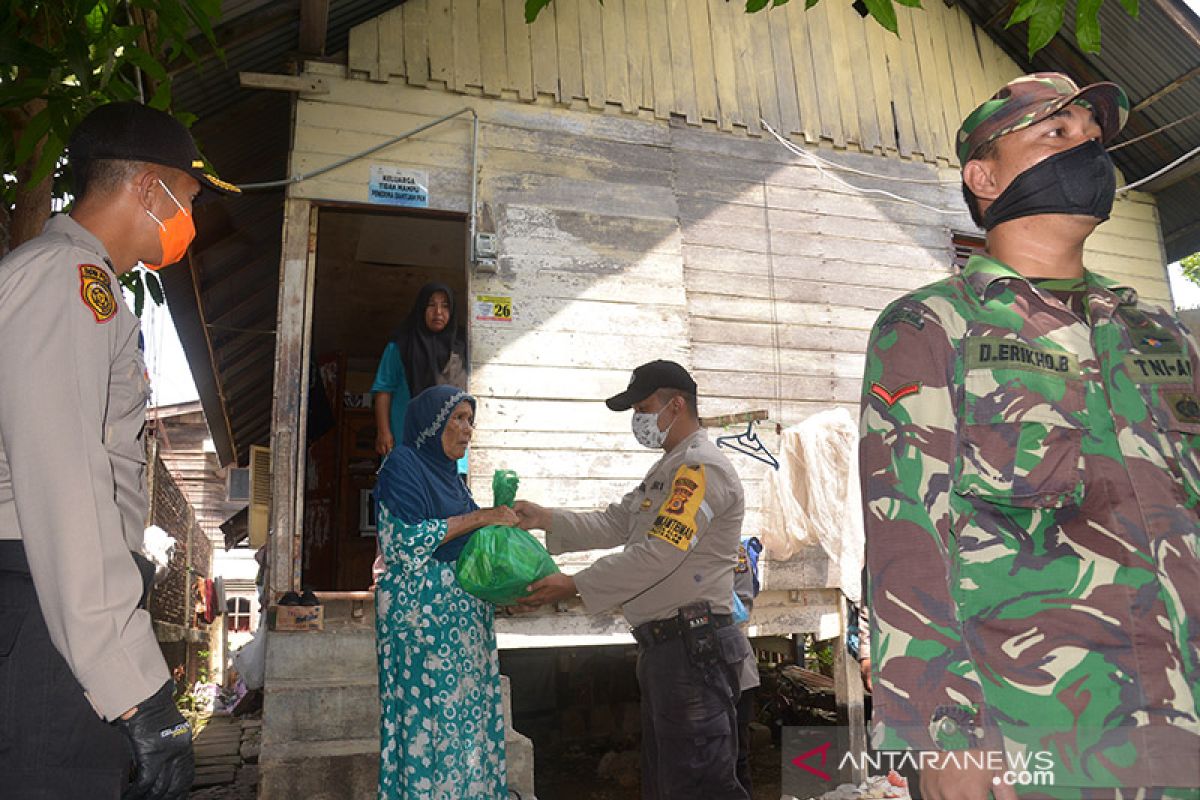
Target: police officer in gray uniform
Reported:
[(85, 695), (674, 580)]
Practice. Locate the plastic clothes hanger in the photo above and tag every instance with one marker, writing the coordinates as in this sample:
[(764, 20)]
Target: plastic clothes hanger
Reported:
[(748, 443)]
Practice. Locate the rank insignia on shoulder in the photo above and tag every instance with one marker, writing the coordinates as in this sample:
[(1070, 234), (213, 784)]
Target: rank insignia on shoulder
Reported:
[(95, 287), (909, 316), (890, 397)]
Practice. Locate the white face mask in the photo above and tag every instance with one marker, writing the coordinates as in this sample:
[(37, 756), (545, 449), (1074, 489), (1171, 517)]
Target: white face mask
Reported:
[(646, 431)]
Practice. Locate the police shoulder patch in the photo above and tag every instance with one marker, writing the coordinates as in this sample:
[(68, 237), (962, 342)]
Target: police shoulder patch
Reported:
[(95, 287), (676, 520)]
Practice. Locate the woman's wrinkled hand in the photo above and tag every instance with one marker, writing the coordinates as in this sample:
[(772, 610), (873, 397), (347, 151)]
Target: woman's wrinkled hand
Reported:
[(502, 515)]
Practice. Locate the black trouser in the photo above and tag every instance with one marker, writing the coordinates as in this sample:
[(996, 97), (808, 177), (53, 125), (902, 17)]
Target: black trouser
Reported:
[(689, 725), (53, 745), (745, 715)]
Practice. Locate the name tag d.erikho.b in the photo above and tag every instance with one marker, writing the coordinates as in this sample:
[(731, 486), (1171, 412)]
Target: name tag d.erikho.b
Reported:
[(995, 352)]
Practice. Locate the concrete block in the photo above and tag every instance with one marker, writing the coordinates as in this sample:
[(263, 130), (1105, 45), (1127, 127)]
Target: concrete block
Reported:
[(299, 711), (506, 699), (337, 777), (335, 654), (518, 752)]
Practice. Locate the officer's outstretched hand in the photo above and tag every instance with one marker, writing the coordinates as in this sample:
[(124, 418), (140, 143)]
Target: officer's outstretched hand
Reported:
[(531, 516), (549, 589), (162, 749)]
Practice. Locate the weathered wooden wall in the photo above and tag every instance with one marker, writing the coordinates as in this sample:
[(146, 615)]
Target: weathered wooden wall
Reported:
[(624, 239), (643, 213), (823, 74)]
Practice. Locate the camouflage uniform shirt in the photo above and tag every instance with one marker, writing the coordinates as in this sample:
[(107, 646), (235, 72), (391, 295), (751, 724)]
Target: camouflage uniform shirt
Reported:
[(1031, 477)]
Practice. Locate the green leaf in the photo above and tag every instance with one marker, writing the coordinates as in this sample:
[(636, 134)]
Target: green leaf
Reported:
[(1087, 25), (1044, 23), (910, 3), (1191, 267), (35, 130), (1131, 7), (884, 13), (139, 294), (810, 3), (52, 151), (146, 63), (1022, 12), (155, 287), (756, 5), (134, 282), (533, 8), (162, 97)]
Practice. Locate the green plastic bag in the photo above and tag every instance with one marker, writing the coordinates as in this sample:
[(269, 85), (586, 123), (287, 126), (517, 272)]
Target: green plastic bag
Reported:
[(499, 562)]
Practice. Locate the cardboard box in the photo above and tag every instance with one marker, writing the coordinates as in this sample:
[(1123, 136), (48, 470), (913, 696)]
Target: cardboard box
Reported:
[(299, 618)]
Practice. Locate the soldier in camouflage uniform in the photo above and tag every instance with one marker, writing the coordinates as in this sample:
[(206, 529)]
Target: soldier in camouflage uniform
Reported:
[(1031, 472)]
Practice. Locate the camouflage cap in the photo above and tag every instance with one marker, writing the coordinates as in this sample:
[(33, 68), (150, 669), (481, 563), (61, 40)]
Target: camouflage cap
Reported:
[(1032, 98)]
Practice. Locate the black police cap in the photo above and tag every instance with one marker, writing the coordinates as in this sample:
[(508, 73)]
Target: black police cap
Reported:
[(130, 131), (648, 379)]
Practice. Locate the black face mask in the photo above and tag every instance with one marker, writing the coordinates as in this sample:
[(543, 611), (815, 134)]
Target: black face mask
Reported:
[(1076, 181)]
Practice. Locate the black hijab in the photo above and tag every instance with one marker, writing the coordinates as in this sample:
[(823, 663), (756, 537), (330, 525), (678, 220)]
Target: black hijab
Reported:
[(424, 353)]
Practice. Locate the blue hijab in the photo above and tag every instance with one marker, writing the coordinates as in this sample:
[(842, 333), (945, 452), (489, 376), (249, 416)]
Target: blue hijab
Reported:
[(418, 481)]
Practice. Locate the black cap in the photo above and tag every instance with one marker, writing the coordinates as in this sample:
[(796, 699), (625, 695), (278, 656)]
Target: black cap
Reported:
[(130, 131), (649, 378)]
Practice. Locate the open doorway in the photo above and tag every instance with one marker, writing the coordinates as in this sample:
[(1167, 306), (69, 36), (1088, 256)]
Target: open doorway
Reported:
[(370, 266)]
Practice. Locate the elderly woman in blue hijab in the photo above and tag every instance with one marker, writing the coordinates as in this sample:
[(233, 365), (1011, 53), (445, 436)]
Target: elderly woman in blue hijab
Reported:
[(442, 725)]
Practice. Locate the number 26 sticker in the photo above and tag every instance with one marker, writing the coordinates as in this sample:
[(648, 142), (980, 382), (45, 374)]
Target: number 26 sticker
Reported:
[(489, 308)]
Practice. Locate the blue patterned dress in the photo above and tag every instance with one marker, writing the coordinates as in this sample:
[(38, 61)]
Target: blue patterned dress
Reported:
[(442, 724)]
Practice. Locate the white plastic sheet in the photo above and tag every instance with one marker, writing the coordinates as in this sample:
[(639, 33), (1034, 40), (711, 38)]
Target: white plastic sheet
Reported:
[(250, 660), (814, 496)]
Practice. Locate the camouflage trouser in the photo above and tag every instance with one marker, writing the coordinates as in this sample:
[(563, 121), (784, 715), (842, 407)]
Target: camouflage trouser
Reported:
[(1076, 793)]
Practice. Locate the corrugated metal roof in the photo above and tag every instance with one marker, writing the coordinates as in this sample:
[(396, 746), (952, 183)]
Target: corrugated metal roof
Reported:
[(225, 305), (1145, 56)]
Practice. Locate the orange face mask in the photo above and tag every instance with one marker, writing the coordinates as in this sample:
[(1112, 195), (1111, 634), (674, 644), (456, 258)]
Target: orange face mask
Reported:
[(174, 233)]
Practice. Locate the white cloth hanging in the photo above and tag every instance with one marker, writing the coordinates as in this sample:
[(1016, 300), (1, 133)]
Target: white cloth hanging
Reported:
[(815, 496)]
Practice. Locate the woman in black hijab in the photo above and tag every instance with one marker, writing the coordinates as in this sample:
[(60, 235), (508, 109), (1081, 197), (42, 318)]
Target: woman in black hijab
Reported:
[(428, 349)]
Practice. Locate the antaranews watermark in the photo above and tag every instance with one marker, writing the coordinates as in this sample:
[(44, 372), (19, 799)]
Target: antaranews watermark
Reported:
[(817, 760)]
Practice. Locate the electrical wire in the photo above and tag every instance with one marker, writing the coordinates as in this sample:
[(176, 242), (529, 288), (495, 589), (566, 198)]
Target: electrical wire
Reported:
[(1162, 171), (844, 168), (818, 164), (349, 159), (1155, 132)]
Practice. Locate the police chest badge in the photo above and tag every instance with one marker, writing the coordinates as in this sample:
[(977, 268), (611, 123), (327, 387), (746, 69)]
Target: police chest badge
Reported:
[(676, 522), (95, 287)]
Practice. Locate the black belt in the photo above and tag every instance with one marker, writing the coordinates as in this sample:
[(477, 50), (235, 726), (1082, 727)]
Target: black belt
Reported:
[(658, 631)]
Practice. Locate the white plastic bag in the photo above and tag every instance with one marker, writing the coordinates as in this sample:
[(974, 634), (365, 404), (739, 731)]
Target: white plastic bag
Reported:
[(251, 660)]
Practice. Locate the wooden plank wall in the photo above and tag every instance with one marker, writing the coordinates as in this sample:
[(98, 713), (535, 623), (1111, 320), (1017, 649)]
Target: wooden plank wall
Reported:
[(821, 75), (641, 214), (590, 253)]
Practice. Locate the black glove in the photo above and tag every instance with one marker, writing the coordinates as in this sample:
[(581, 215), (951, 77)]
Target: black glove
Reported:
[(162, 749)]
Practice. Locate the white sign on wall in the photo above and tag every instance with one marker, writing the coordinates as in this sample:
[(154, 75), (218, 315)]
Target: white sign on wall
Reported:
[(395, 186)]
